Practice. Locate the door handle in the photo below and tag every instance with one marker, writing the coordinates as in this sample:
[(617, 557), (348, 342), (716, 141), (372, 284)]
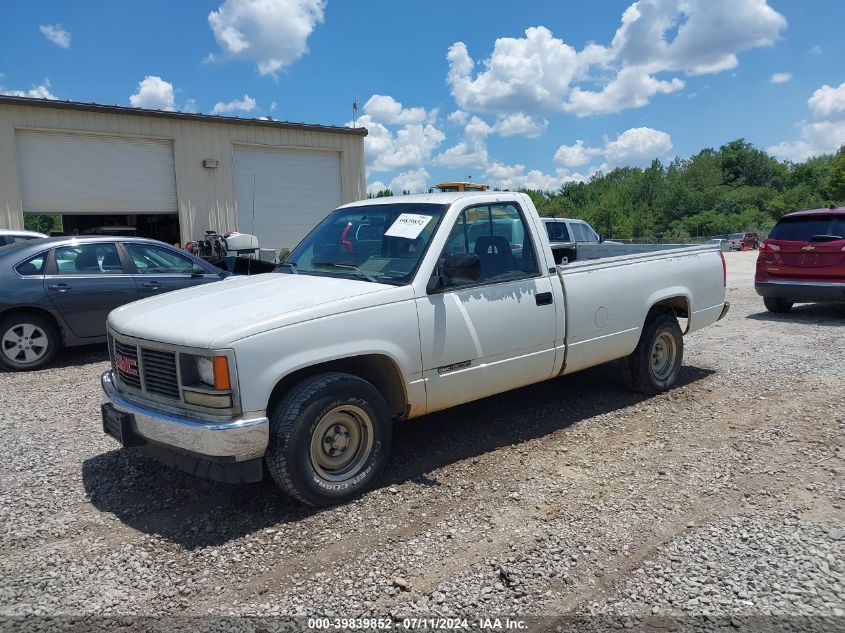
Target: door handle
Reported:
[(59, 287), (151, 284), (543, 298)]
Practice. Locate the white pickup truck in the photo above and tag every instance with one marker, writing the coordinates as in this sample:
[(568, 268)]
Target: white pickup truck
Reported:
[(388, 310)]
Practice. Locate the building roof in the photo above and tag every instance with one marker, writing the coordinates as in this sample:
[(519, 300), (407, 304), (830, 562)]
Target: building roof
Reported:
[(180, 116)]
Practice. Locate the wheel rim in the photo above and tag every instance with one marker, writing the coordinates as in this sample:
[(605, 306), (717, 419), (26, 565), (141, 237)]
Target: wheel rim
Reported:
[(663, 355), (341, 443), (24, 343)]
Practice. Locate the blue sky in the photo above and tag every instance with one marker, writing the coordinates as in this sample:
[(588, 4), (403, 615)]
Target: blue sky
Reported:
[(515, 94)]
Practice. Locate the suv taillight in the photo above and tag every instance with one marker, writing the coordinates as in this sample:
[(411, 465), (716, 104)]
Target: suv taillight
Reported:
[(724, 270)]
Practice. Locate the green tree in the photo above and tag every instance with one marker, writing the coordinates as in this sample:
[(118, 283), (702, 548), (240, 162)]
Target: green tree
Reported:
[(834, 183), (43, 223)]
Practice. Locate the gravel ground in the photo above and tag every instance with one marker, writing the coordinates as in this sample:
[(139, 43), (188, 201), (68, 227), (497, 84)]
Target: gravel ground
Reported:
[(722, 498)]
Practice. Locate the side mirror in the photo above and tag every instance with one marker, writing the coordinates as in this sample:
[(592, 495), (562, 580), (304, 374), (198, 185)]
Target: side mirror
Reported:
[(198, 271), (434, 285), (601, 238)]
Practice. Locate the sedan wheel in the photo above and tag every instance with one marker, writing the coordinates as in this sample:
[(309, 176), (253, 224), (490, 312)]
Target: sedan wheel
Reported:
[(26, 342)]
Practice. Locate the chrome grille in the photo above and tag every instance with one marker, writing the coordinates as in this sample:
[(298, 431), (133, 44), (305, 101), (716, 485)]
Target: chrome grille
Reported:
[(159, 370), (129, 352)]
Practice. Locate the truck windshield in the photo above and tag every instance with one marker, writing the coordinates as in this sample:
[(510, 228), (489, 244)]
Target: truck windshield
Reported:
[(381, 242)]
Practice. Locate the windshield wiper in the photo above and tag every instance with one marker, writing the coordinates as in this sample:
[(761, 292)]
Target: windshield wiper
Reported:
[(292, 266), (824, 238), (366, 276)]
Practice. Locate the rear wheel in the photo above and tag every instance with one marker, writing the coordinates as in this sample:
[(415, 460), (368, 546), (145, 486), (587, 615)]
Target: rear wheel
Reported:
[(776, 304), (27, 341), (329, 439), (654, 365)]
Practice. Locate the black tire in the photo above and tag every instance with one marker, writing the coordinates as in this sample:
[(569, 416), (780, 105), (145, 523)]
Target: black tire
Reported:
[(776, 304), (306, 450), (27, 341), (648, 369)]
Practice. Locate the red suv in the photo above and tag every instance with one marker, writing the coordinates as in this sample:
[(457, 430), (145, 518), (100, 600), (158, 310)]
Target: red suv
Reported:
[(738, 241), (803, 260)]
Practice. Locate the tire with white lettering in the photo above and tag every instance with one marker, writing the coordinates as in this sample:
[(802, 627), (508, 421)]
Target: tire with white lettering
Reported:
[(27, 341), (330, 438), (654, 365)]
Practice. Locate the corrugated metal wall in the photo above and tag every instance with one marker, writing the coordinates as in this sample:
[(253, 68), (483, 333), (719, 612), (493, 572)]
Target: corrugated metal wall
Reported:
[(206, 196)]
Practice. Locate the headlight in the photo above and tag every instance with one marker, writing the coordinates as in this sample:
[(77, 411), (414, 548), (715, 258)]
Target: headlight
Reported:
[(214, 372), (205, 369)]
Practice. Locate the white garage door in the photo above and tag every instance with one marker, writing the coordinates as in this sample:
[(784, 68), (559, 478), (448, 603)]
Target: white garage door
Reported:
[(72, 173), (283, 194)]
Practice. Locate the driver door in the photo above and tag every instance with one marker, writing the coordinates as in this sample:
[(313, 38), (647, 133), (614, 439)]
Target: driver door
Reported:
[(494, 334)]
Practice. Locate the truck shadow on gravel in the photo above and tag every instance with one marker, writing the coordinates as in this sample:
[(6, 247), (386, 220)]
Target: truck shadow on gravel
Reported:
[(193, 513), (815, 313)]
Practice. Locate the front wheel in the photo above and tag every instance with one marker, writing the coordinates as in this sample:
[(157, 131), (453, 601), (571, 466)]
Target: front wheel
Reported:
[(329, 439), (27, 341), (776, 304), (654, 365)]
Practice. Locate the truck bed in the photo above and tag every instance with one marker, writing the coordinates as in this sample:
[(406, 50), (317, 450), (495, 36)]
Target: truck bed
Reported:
[(569, 253)]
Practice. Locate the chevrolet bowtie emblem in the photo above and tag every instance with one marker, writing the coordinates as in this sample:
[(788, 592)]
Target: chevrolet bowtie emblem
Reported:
[(808, 248)]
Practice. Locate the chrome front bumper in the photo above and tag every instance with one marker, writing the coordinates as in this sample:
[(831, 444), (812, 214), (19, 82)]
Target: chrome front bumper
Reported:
[(238, 440)]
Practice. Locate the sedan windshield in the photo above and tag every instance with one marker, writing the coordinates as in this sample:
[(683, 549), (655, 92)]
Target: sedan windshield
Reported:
[(381, 242)]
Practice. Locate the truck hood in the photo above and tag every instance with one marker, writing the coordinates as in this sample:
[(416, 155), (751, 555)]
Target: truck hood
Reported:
[(217, 314)]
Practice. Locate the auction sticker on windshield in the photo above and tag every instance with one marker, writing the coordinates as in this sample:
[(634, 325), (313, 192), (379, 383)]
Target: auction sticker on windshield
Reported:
[(408, 225)]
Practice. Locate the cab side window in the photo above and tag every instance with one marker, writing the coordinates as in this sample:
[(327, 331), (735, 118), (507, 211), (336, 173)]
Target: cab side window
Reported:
[(497, 235), (32, 266), (88, 259), (154, 260)]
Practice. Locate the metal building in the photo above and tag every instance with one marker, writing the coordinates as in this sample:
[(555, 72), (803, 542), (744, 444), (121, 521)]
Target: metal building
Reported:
[(173, 175)]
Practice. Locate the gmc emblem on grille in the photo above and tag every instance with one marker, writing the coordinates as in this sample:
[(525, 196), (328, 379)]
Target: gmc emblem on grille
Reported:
[(126, 365)]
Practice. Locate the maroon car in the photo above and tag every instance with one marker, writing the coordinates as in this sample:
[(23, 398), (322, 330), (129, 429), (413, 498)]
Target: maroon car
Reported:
[(803, 260), (743, 241)]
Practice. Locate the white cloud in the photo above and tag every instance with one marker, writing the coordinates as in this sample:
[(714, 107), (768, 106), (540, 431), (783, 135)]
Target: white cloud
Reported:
[(541, 73), (828, 103), (637, 147), (56, 34), (575, 155), (154, 94), (631, 88), (247, 104), (413, 181), (190, 106), (466, 153), (374, 187), (386, 109), (458, 117), (527, 74), (516, 177), (520, 124), (271, 33), (823, 131), (471, 151), (408, 147), (815, 50), (41, 91), (780, 78)]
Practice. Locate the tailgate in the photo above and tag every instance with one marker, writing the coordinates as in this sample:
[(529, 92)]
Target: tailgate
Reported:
[(808, 246)]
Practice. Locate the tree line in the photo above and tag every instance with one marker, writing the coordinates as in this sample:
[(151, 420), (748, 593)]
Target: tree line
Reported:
[(715, 192)]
